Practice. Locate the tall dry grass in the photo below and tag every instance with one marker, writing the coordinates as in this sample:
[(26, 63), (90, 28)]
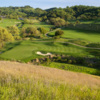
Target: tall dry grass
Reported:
[(29, 82)]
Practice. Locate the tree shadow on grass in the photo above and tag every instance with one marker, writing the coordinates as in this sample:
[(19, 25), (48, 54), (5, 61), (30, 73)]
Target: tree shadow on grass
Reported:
[(10, 46), (80, 30), (65, 44), (94, 52), (50, 43)]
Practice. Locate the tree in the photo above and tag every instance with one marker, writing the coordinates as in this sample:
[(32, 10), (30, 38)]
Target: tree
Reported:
[(58, 22), (59, 33), (67, 23), (29, 21), (42, 30), (23, 32), (77, 22), (5, 36), (30, 32), (13, 30)]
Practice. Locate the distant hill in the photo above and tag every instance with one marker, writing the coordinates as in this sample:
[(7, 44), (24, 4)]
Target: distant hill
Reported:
[(80, 12)]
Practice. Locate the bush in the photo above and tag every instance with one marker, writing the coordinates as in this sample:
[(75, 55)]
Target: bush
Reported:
[(77, 22), (30, 21), (42, 30), (17, 37), (59, 33), (30, 32), (69, 61), (58, 22), (5, 36)]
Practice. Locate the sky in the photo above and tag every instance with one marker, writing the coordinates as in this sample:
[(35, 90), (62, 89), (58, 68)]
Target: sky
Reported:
[(45, 4)]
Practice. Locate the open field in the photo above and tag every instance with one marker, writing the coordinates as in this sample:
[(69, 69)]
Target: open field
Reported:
[(8, 22), (80, 34), (39, 24), (28, 82), (26, 50)]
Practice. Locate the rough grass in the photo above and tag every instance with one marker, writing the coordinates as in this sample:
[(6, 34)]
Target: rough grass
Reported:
[(75, 68), (28, 82), (26, 50)]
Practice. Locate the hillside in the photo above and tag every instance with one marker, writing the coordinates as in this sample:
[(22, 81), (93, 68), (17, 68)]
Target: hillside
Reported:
[(80, 12), (49, 50), (20, 81)]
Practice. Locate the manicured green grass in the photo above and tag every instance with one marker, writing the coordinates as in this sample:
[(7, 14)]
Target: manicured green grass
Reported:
[(39, 24), (26, 50), (80, 34), (76, 68), (8, 22), (89, 36)]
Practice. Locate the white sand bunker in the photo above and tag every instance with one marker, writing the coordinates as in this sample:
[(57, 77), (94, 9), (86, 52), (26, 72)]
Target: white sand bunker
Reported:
[(40, 53)]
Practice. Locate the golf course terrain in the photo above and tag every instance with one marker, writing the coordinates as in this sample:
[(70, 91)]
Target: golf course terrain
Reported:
[(50, 54)]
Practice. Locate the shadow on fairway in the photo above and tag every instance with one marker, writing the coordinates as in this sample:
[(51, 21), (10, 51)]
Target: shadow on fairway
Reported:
[(10, 46), (80, 30)]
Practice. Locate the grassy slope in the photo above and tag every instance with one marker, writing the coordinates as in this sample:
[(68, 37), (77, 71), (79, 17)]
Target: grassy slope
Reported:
[(26, 50), (40, 24), (79, 34), (8, 22), (74, 34), (75, 68), (28, 82)]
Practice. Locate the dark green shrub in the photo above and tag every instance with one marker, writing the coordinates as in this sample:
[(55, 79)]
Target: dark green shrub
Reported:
[(59, 33), (69, 61)]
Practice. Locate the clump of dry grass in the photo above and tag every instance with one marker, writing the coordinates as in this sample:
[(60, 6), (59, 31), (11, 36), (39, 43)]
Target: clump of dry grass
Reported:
[(26, 81)]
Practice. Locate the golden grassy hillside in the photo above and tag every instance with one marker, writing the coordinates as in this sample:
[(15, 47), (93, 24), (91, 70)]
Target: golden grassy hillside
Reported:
[(45, 73), (30, 82)]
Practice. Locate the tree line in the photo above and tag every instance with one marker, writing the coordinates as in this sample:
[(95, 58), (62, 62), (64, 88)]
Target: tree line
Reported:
[(80, 12)]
